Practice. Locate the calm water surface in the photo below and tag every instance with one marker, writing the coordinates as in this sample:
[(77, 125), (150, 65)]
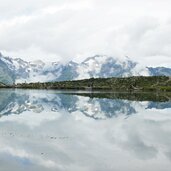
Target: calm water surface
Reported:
[(52, 130)]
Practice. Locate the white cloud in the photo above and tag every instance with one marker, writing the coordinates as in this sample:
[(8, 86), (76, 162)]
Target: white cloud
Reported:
[(61, 29)]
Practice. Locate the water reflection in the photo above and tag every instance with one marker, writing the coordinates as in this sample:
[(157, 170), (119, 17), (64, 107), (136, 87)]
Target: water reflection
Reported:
[(49, 130), (96, 106)]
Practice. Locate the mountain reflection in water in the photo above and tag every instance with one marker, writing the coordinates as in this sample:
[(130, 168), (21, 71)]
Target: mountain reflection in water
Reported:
[(96, 106), (53, 130)]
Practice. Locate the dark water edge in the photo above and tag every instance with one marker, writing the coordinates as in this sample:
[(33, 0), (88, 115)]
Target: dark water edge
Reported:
[(133, 96), (159, 96)]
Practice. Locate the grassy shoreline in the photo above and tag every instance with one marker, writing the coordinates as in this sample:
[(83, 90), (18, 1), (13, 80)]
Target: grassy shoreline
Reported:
[(139, 83), (128, 84)]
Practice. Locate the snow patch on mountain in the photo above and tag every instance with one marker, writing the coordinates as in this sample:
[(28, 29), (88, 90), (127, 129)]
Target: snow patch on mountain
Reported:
[(140, 70)]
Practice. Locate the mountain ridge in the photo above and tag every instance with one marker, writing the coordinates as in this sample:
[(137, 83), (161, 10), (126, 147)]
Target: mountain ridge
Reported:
[(16, 70)]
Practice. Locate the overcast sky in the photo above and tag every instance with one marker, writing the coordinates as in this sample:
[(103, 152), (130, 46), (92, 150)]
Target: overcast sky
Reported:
[(54, 30)]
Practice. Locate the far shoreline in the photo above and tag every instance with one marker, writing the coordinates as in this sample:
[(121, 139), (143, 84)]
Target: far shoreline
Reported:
[(127, 84)]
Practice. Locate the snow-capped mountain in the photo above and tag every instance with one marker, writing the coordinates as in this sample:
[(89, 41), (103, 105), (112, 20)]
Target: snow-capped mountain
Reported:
[(160, 71), (105, 66), (16, 70)]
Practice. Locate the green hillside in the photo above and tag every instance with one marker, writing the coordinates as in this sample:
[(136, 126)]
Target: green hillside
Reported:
[(139, 83)]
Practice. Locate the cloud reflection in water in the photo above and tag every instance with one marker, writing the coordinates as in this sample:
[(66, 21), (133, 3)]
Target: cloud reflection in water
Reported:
[(47, 130)]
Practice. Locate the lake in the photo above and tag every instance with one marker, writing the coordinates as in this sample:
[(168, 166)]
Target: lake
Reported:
[(44, 130)]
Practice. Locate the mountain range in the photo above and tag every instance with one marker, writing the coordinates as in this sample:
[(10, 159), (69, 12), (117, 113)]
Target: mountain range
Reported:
[(16, 70)]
